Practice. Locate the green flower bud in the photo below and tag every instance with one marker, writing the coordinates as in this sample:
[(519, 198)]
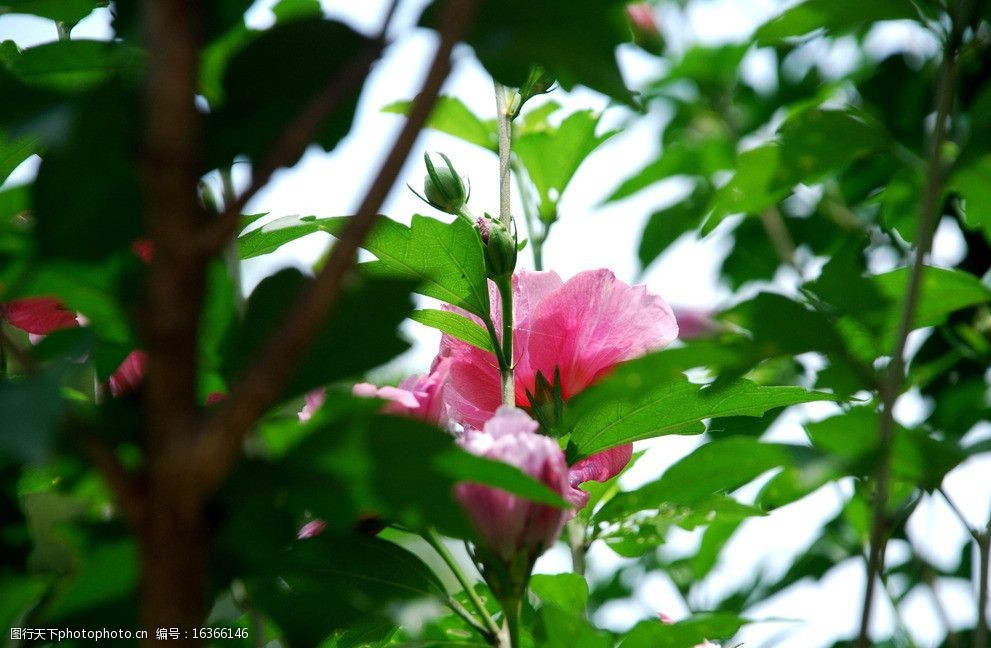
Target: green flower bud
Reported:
[(500, 247), (443, 188)]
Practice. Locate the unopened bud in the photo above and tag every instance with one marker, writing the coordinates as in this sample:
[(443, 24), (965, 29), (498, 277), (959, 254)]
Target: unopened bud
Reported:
[(443, 188), (500, 248), (645, 31)]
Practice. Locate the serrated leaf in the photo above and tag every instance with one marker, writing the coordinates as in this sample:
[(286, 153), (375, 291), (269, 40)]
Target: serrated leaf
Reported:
[(690, 632), (552, 155), (455, 325), (67, 11), (77, 65), (641, 400), (447, 259), (453, 117), (274, 234), (831, 16)]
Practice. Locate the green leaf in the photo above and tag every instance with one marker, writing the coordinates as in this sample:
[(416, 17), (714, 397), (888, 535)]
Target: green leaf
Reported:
[(360, 333), (712, 469), (13, 152), (552, 155), (559, 628), (641, 400), (77, 65), (667, 225), (328, 582), (567, 591), (274, 234), (67, 11), (943, 291), (971, 182), (451, 116), (455, 325), (447, 259), (831, 16), (31, 410), (574, 41), (695, 630), (248, 122), (87, 197)]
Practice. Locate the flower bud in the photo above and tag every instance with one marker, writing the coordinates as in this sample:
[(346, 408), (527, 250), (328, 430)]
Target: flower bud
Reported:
[(500, 248), (510, 527), (443, 188), (645, 31)]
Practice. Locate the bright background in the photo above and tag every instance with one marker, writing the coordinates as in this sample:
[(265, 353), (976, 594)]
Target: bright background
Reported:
[(591, 235)]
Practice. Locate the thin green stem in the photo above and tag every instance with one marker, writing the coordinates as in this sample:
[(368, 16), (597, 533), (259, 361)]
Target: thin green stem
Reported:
[(511, 610), (530, 216), (984, 553), (232, 256), (505, 128), (892, 383), (63, 29), (577, 543), (435, 541), (505, 285)]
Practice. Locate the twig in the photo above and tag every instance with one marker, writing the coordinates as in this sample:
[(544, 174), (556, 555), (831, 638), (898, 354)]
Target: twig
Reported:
[(263, 383), (891, 385), (956, 511), (491, 629), (984, 554), (780, 238)]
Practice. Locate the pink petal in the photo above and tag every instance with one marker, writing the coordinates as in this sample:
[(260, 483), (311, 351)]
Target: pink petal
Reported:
[(592, 323), (38, 315), (508, 524), (696, 323), (129, 374), (599, 467), (314, 401)]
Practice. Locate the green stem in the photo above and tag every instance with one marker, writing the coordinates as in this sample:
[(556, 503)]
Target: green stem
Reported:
[(505, 128), (511, 610), (63, 29), (232, 257), (435, 541), (984, 553), (892, 382), (576, 540), (530, 216), (505, 285)]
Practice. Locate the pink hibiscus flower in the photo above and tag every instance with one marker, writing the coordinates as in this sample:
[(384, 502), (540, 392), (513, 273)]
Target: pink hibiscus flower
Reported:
[(419, 396), (506, 523), (581, 328)]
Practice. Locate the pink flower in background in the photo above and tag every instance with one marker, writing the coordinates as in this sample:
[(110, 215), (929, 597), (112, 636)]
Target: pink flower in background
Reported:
[(646, 33), (129, 374), (311, 529), (508, 524), (582, 328), (696, 323), (314, 401), (38, 316), (418, 396)]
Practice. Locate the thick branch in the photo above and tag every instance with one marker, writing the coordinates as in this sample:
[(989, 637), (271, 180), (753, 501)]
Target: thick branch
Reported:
[(263, 383), (891, 384)]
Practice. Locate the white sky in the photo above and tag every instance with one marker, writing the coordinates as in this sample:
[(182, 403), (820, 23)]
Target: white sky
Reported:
[(589, 236)]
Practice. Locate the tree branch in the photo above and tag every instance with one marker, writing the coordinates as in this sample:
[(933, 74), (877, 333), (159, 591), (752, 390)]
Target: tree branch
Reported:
[(890, 386), (262, 384)]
